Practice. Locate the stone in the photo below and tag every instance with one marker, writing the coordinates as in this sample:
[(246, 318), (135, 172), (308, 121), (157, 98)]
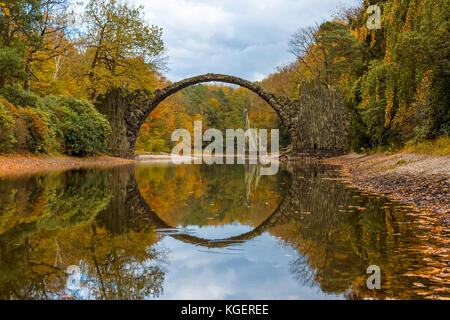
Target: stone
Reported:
[(316, 125)]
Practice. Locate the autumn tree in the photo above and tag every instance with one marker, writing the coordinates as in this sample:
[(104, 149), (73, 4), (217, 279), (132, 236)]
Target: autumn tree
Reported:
[(52, 23), (24, 27), (121, 47), (403, 95), (16, 18), (328, 51)]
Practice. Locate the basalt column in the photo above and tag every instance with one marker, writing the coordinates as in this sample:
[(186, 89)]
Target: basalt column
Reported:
[(113, 106), (125, 112)]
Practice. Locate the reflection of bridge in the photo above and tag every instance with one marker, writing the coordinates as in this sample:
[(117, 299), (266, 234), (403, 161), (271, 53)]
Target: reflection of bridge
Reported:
[(139, 215)]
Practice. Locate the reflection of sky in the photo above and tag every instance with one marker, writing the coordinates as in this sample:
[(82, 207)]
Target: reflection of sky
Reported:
[(256, 269)]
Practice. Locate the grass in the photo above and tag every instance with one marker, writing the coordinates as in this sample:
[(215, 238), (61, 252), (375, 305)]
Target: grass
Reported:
[(440, 147)]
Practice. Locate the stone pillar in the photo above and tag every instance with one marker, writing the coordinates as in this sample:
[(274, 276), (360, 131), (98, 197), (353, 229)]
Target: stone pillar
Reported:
[(114, 106)]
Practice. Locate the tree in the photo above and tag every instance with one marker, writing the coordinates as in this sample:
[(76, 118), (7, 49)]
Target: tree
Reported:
[(328, 51), (15, 18), (7, 138), (11, 66), (52, 22), (121, 47), (24, 26), (302, 43), (403, 94)]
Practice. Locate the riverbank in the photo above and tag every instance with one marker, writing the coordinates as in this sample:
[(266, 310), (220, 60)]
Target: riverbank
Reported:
[(19, 164), (422, 180), (418, 179)]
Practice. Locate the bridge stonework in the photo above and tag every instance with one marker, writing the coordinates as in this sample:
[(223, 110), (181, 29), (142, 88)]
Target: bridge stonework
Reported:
[(309, 131)]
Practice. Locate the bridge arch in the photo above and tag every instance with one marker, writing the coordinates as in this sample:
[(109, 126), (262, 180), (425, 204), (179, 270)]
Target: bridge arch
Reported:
[(164, 93), (316, 123), (139, 105)]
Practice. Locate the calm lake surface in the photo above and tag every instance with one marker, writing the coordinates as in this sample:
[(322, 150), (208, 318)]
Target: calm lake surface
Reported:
[(160, 231)]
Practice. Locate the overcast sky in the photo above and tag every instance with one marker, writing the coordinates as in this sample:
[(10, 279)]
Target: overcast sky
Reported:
[(245, 38)]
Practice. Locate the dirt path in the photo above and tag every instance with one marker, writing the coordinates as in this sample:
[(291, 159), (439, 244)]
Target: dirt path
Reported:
[(422, 180), (17, 165)]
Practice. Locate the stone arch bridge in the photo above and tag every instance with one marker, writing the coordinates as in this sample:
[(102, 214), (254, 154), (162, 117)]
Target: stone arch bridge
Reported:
[(127, 112)]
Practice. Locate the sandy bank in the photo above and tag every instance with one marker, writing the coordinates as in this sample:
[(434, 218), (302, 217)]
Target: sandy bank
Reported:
[(418, 179), (16, 165)]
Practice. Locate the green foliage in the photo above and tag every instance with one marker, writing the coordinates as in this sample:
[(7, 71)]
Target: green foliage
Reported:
[(118, 48), (402, 94), (394, 80), (357, 136), (50, 124), (440, 146), (121, 46), (152, 142), (7, 138), (40, 136), (33, 124), (343, 52), (83, 129), (11, 65), (214, 106), (21, 97)]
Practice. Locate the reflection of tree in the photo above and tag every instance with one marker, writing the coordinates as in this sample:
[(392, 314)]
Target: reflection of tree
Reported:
[(336, 231), (209, 195), (81, 199), (252, 177), (116, 270), (52, 202), (302, 272), (38, 205), (339, 232), (115, 265)]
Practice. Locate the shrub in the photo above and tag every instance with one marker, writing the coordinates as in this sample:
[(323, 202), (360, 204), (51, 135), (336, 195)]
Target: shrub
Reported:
[(82, 128), (51, 124), (7, 138), (440, 146), (39, 136), (21, 97), (32, 128)]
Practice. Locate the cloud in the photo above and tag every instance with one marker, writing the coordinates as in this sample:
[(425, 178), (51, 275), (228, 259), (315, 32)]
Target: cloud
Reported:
[(245, 38), (248, 272)]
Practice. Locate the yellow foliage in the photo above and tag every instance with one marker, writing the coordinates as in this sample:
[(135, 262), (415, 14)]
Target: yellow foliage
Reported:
[(439, 147)]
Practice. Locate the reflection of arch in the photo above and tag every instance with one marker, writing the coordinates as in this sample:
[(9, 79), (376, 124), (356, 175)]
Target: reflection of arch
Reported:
[(137, 113), (142, 212)]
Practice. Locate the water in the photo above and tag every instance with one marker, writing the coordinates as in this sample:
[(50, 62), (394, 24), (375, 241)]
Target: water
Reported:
[(159, 231)]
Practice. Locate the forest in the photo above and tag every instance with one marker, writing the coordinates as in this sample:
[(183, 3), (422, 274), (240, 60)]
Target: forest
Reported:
[(55, 65)]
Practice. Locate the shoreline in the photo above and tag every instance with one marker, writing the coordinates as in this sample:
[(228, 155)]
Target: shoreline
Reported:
[(419, 180), (15, 165)]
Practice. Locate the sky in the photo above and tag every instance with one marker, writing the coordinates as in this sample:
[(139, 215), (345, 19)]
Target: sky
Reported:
[(244, 38)]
